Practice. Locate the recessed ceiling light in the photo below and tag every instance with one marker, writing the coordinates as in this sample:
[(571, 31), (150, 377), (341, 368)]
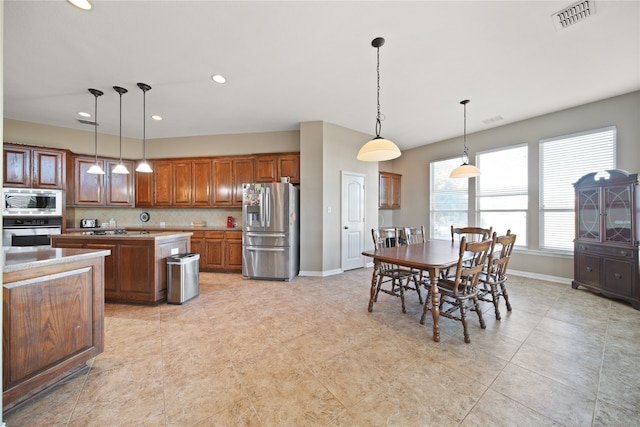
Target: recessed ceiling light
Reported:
[(156, 117), (81, 4), (83, 114), (218, 78)]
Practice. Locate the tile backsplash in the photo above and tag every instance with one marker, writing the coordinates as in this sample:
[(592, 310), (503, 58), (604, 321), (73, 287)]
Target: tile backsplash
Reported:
[(171, 217)]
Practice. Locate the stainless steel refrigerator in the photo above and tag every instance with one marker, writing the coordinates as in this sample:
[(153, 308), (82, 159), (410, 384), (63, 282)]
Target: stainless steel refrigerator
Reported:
[(270, 231)]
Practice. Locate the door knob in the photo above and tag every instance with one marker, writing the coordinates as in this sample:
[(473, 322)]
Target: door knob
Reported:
[(346, 228)]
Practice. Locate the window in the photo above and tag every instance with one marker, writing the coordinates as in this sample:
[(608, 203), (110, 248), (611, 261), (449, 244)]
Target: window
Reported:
[(501, 195), (449, 198), (563, 160)]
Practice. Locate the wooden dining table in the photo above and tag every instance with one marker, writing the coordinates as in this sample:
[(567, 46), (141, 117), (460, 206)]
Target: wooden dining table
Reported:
[(432, 256)]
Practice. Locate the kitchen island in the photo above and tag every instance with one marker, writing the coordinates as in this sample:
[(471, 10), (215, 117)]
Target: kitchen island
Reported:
[(53, 317), (136, 271)]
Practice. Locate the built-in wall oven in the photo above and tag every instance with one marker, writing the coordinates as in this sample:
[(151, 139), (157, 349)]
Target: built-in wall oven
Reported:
[(30, 216), (29, 231)]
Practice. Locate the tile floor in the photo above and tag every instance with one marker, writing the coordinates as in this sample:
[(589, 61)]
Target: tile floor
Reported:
[(307, 353)]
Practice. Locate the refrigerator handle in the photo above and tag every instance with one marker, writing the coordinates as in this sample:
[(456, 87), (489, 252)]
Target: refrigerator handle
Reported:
[(268, 206), (261, 200)]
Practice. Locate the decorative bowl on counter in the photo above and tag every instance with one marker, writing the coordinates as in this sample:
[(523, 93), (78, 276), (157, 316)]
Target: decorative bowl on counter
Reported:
[(199, 223)]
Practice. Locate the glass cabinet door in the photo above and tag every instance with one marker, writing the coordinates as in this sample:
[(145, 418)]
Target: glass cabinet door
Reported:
[(617, 205), (589, 214)]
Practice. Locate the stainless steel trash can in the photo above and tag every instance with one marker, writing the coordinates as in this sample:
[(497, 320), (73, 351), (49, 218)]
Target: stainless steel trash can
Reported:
[(182, 278)]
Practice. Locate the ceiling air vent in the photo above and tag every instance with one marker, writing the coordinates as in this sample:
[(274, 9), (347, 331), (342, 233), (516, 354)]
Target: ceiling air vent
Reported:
[(87, 122), (573, 14)]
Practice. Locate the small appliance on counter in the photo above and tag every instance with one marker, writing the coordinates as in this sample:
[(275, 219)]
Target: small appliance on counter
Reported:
[(229, 222), (89, 223)]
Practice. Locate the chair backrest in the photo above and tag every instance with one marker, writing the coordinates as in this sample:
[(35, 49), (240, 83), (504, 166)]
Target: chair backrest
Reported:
[(471, 234), (500, 256), (384, 237), (468, 269), (414, 235)]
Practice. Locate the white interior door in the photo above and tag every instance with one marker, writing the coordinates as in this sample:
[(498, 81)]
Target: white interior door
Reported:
[(353, 233)]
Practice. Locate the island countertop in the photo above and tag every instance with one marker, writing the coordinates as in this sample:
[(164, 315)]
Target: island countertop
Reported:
[(134, 235), (23, 258)]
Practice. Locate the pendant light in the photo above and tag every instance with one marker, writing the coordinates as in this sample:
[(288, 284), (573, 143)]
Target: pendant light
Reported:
[(95, 169), (465, 170), (144, 166), (120, 167), (378, 149)]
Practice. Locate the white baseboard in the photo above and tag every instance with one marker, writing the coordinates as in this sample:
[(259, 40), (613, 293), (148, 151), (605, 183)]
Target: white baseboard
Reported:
[(530, 275), (320, 273)]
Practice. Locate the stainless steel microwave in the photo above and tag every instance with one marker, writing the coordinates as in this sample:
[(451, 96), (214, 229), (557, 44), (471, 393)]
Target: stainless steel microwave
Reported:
[(32, 201)]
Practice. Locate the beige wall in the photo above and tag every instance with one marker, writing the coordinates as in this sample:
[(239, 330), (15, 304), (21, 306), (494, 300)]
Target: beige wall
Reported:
[(82, 142), (622, 111), (325, 151)]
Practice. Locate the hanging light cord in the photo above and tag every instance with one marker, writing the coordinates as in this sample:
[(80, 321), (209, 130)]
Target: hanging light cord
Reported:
[(465, 152), (95, 127), (120, 127), (144, 134), (378, 116)]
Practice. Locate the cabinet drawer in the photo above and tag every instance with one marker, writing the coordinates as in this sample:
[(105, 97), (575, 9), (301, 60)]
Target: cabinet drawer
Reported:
[(233, 235), (214, 234), (588, 270), (618, 276), (612, 251)]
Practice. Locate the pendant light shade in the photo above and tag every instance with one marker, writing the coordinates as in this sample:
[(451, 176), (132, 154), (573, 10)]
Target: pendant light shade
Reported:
[(95, 169), (465, 170), (120, 167), (378, 149), (144, 166)]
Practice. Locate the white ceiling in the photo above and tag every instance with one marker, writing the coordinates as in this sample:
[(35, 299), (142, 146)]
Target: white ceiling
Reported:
[(289, 62)]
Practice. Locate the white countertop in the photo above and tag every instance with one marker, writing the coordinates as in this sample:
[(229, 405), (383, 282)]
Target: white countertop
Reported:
[(22, 258)]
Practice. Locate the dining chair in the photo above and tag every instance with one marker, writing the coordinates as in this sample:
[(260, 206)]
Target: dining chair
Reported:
[(493, 280), (460, 292), (472, 234), (414, 235), (394, 274)]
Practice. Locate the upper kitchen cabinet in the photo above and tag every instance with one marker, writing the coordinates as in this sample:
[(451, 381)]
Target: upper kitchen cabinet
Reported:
[(228, 176), (144, 188), (389, 190), (162, 183), (100, 190), (33, 167), (272, 167)]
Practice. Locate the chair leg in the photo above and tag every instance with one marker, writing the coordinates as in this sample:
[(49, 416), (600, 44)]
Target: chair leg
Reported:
[(404, 309), (463, 319), (480, 318), (375, 297), (495, 296), (505, 295), (416, 284)]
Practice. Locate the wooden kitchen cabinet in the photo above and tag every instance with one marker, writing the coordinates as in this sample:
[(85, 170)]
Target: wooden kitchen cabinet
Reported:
[(34, 167), (144, 188), (110, 189), (181, 171), (608, 235), (201, 182), (213, 250), (242, 173), (272, 167), (162, 183), (389, 190), (233, 250), (222, 182)]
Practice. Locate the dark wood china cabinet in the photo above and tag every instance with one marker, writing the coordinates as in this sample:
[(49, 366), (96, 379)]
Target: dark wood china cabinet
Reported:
[(608, 235)]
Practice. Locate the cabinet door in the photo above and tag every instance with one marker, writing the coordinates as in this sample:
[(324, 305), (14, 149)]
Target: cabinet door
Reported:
[(389, 190), (201, 184), (619, 277), (214, 250), (182, 183), (222, 182), (88, 188), (119, 187), (618, 214), (17, 166), (197, 244), (289, 165), (111, 266), (144, 189), (588, 221), (233, 249), (242, 173), (265, 168), (162, 183), (48, 168), (588, 269)]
